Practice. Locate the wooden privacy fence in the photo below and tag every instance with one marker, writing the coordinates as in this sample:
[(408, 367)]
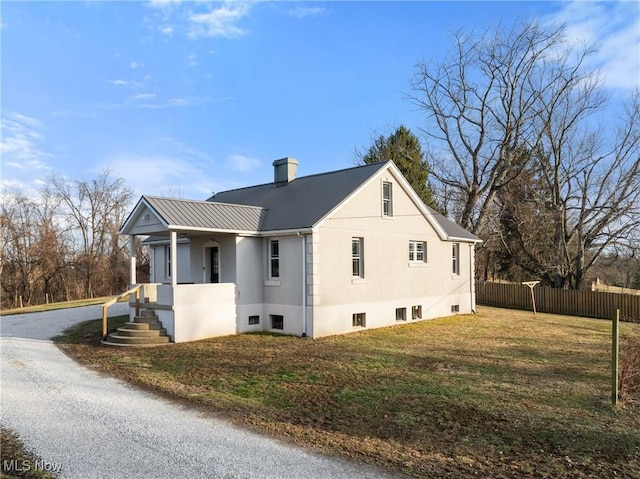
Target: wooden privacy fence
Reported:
[(590, 304)]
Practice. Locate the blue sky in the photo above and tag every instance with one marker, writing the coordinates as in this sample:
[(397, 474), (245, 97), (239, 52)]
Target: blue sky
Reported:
[(186, 98)]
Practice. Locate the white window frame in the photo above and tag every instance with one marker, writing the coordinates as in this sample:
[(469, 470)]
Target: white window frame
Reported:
[(416, 256), (274, 258), (357, 257), (387, 199), (455, 259)]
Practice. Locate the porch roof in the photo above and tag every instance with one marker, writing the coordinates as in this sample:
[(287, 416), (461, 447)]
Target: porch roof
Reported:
[(154, 214)]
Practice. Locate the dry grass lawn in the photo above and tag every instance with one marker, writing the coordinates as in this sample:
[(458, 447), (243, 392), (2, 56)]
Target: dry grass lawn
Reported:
[(497, 394)]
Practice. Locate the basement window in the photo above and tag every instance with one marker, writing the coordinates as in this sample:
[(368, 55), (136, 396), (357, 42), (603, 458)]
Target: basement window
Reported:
[(277, 321), (254, 319), (455, 308), (401, 314), (359, 319), (416, 312)]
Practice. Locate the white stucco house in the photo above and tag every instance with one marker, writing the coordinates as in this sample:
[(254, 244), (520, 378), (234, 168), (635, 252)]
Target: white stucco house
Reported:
[(313, 256)]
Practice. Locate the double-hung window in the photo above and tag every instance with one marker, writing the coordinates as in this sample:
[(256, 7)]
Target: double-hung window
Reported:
[(387, 199), (357, 257), (274, 259), (167, 261), (418, 251), (455, 258)]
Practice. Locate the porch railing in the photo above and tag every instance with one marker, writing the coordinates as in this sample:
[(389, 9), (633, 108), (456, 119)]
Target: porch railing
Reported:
[(105, 306)]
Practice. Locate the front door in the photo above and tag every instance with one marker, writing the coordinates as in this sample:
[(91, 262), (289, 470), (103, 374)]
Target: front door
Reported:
[(214, 267)]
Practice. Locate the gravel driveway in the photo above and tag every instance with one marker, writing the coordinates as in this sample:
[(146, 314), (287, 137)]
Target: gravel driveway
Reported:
[(88, 425)]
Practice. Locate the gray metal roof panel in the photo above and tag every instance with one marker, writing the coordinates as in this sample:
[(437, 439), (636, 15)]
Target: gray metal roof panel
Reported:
[(207, 214), (451, 229), (302, 202)]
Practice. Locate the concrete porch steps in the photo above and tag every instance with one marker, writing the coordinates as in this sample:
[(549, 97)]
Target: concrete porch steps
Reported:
[(144, 332)]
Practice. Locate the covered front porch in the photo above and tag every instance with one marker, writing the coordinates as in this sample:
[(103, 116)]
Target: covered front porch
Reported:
[(191, 311), (193, 288)]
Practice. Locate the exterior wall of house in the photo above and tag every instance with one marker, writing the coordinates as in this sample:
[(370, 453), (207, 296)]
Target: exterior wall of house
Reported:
[(159, 272), (283, 296), (390, 280), (251, 267), (200, 259)]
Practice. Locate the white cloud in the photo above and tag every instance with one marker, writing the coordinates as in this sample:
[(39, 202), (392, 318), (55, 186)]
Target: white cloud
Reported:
[(126, 83), (192, 60), (304, 12), (142, 96), (134, 65), (151, 101), (219, 22), (167, 29), (242, 163), (26, 120), (613, 28), (184, 174), (23, 157), (20, 140), (164, 3)]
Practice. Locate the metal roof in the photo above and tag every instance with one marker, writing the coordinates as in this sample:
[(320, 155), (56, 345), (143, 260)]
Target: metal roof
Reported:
[(206, 215), (304, 201), (300, 204), (451, 229)]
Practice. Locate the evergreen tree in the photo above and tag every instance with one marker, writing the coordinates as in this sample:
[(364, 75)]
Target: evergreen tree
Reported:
[(403, 148)]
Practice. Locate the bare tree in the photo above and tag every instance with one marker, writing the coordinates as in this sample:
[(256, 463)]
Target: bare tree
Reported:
[(33, 252), (93, 210), (482, 103), (593, 180), (511, 110)]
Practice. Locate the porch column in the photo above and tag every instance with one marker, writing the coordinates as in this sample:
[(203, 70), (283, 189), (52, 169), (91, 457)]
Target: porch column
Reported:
[(174, 258), (132, 260)]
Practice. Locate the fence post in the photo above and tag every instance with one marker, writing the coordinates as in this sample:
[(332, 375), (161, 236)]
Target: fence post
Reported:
[(614, 356), (104, 320)]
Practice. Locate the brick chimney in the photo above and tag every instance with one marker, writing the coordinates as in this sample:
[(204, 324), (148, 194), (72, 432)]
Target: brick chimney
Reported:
[(284, 171)]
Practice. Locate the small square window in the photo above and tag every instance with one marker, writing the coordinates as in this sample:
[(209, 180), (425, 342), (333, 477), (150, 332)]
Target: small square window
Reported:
[(401, 314), (418, 251), (359, 319), (277, 321), (455, 308), (254, 319), (416, 312)]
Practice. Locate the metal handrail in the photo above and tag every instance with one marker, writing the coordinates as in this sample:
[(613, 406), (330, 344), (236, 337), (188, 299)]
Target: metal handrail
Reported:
[(105, 306)]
